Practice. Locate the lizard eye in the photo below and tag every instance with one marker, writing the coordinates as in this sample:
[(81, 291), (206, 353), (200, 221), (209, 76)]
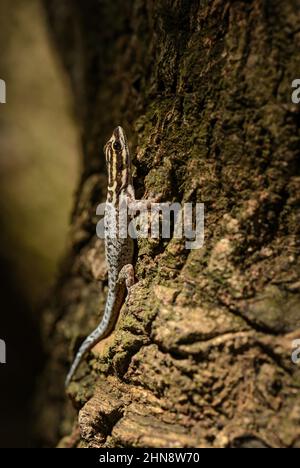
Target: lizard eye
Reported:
[(116, 146)]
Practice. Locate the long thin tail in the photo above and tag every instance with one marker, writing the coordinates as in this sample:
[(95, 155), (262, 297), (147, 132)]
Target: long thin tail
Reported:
[(103, 329), (88, 343)]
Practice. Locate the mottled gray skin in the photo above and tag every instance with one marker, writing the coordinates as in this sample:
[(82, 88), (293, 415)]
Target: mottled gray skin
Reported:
[(119, 252), (119, 256)]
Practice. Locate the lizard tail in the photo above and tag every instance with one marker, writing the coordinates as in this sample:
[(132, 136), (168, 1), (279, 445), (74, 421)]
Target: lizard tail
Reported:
[(100, 332), (88, 343)]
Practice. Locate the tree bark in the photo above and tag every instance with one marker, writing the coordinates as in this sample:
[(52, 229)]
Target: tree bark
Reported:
[(201, 354)]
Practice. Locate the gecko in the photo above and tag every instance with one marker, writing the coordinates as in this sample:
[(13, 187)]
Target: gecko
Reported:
[(119, 251)]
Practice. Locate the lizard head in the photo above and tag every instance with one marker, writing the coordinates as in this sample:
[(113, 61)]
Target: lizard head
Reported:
[(118, 161), (116, 149)]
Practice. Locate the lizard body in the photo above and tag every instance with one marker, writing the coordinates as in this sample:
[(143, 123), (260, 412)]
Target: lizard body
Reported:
[(118, 251)]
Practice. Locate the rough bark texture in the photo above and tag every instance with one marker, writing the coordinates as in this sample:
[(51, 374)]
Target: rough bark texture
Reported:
[(201, 356)]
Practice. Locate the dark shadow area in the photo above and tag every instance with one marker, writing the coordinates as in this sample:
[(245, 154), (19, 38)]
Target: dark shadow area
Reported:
[(39, 165), (24, 359)]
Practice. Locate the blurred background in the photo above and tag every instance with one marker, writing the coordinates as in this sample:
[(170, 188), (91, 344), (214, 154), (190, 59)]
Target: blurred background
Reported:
[(39, 168)]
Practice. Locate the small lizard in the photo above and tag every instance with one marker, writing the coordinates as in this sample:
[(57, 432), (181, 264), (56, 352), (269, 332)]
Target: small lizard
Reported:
[(118, 251)]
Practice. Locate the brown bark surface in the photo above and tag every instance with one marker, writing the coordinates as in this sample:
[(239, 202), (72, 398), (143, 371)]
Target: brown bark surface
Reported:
[(201, 355)]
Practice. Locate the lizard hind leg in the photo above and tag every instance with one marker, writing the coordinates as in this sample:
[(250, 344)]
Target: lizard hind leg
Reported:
[(126, 276)]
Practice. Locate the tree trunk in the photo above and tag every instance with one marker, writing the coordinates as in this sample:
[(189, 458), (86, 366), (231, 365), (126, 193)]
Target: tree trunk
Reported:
[(201, 354)]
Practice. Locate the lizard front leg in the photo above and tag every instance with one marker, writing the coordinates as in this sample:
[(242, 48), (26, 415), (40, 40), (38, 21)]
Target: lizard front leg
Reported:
[(141, 205)]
